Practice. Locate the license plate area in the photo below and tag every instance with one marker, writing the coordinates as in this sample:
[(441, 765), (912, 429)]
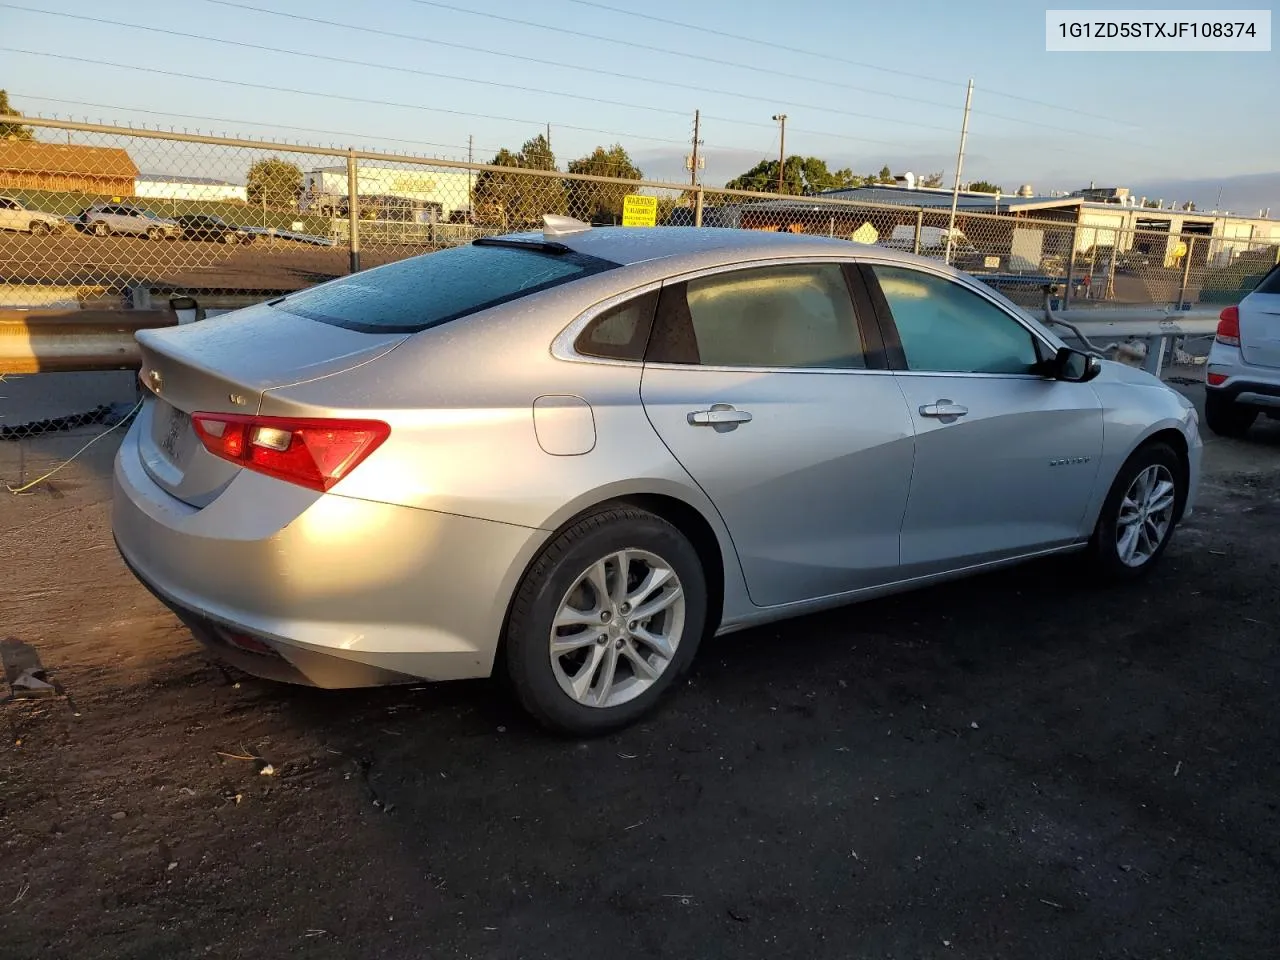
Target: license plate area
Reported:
[(171, 431)]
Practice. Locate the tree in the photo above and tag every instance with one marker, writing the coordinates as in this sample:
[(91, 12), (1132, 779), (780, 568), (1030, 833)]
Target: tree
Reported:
[(590, 200), (886, 175), (931, 180), (274, 182), (982, 186), (12, 131), (800, 176), (512, 199)]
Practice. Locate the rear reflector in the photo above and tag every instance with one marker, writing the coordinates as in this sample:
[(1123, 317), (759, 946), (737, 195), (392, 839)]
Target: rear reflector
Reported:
[(1216, 379), (312, 453), (1229, 327)]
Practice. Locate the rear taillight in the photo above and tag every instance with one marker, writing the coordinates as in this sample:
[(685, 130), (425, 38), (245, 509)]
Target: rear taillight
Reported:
[(309, 452), (1229, 327)]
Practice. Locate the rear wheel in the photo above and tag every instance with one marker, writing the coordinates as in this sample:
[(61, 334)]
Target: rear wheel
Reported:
[(1227, 418), (230, 238), (99, 229), (605, 621), (1139, 514), (155, 233)]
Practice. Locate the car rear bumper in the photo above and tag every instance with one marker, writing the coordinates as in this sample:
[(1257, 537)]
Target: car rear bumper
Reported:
[(1249, 392), (322, 589), (1241, 382)]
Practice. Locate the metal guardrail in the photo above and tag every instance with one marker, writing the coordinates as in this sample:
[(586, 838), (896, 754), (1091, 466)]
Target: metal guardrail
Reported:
[(1161, 328), (66, 341), (94, 340)]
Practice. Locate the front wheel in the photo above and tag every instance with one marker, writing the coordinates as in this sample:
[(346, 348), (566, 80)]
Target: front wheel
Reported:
[(155, 233), (1227, 418), (1139, 514), (99, 229), (41, 228), (606, 619)]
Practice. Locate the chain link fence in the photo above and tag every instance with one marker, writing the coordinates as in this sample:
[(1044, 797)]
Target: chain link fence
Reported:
[(95, 216)]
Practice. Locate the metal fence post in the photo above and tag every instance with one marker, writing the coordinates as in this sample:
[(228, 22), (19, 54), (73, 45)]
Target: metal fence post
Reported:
[(1071, 266), (1186, 272), (915, 245), (353, 210), (697, 208)]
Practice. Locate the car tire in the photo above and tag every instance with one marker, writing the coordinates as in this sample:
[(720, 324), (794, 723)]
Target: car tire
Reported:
[(1138, 517), (604, 675), (40, 228), (155, 233), (99, 229), (1227, 418), (230, 238)]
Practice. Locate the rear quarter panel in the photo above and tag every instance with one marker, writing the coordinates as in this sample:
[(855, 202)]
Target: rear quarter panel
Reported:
[(460, 401)]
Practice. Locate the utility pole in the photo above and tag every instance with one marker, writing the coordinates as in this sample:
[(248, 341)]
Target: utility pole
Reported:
[(782, 146), (955, 192), (693, 166), (548, 141), (471, 211)]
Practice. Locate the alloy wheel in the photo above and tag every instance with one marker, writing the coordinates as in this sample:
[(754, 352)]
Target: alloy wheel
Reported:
[(617, 628), (1146, 515)]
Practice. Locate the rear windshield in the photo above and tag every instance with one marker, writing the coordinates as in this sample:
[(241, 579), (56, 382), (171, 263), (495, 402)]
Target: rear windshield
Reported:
[(1270, 283), (432, 289)]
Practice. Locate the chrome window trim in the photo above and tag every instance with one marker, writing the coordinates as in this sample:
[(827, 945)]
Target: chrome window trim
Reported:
[(961, 281), (562, 347)]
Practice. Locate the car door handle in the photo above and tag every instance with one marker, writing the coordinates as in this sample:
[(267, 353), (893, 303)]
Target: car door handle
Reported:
[(721, 416), (943, 409)]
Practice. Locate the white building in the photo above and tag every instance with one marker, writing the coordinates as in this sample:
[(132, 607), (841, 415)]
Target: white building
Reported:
[(431, 190), (161, 186)]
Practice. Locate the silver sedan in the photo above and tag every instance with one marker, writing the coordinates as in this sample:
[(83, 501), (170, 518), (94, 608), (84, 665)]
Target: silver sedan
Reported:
[(570, 455)]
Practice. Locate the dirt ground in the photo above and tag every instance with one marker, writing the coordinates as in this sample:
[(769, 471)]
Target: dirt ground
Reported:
[(1022, 765)]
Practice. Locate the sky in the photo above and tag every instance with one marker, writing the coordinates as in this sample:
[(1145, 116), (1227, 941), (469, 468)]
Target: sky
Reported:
[(862, 84)]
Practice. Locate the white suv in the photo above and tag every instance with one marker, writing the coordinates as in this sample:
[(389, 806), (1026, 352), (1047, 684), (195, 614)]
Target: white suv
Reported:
[(1243, 371)]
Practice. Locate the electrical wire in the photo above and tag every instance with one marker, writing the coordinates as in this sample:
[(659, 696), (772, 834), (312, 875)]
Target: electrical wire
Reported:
[(417, 71), (827, 56), (39, 480), (418, 38), (755, 68), (329, 96)]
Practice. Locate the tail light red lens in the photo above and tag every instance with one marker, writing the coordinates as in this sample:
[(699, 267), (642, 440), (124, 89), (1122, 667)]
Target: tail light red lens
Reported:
[(1229, 327), (1216, 379), (312, 453)]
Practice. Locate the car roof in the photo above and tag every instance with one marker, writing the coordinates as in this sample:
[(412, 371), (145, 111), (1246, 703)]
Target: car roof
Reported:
[(632, 245)]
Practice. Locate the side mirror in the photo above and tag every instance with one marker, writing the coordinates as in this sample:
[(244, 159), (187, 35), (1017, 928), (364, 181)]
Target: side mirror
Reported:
[(1075, 366)]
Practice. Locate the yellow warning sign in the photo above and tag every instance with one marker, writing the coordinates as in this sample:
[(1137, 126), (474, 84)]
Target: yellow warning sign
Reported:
[(865, 234), (639, 211)]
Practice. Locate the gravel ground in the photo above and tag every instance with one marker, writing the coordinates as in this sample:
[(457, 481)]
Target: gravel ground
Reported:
[(1020, 765)]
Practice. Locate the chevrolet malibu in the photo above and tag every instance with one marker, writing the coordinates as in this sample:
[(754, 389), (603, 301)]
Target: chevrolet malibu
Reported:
[(568, 456)]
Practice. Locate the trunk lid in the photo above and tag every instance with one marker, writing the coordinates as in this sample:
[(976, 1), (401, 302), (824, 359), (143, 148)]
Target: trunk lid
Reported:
[(225, 365)]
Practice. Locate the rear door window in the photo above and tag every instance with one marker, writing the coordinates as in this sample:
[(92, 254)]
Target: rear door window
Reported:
[(426, 291), (1270, 283)]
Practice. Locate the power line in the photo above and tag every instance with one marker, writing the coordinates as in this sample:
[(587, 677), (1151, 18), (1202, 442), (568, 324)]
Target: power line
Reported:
[(447, 76), (331, 96), (605, 73), (636, 45), (826, 56)]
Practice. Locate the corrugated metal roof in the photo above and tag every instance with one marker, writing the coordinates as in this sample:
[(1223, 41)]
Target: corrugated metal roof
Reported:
[(25, 156), (942, 199)]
